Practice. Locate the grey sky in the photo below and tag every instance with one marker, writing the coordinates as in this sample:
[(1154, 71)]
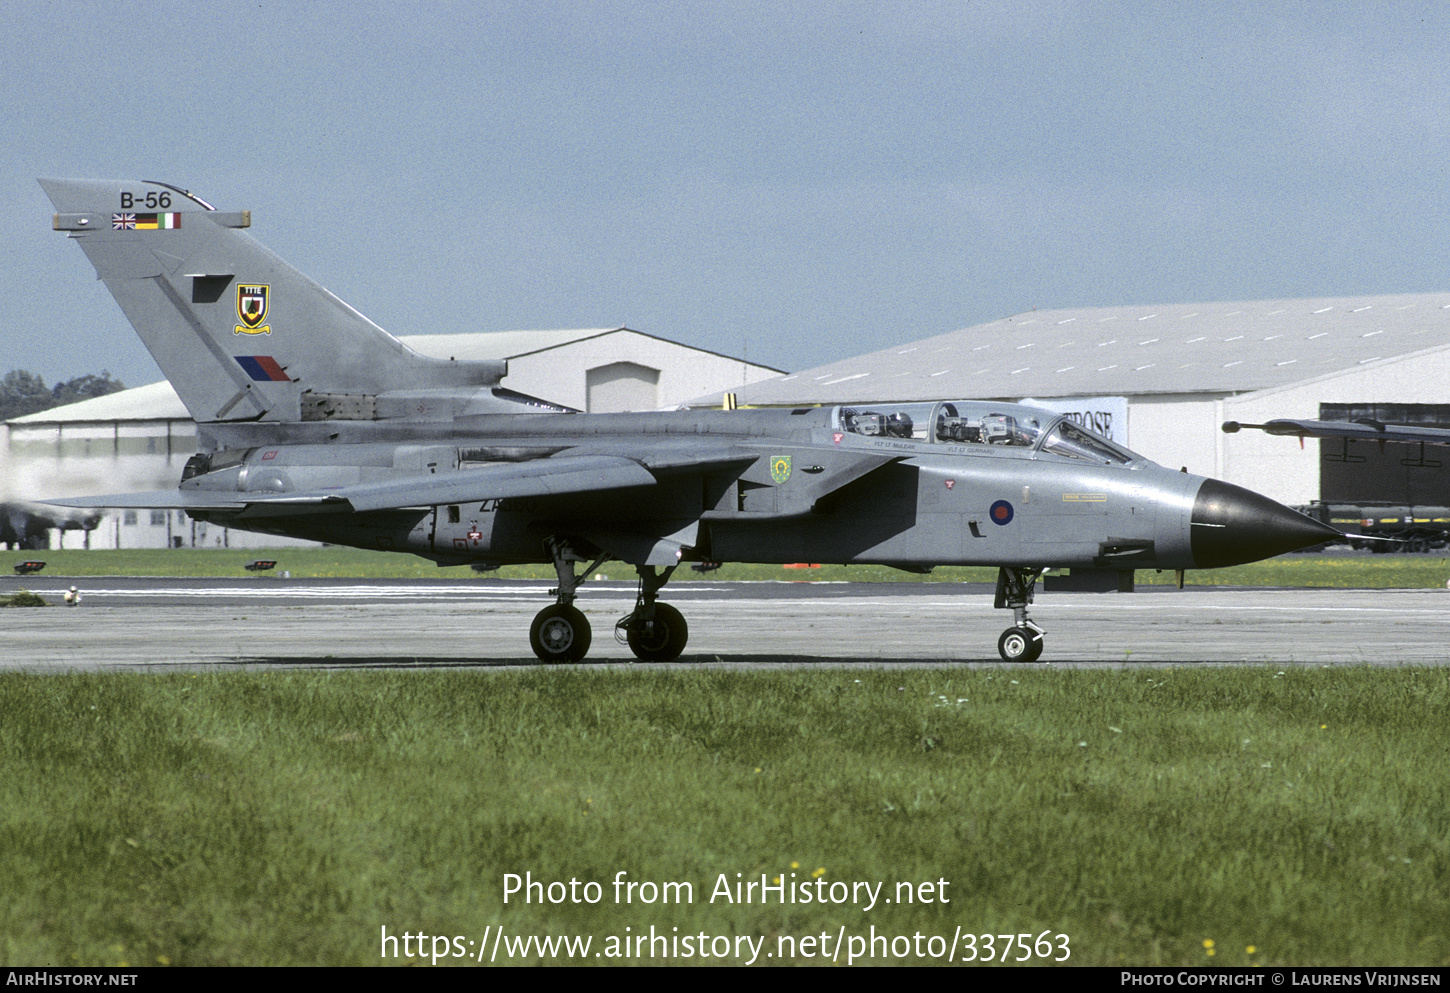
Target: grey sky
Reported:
[(797, 181)]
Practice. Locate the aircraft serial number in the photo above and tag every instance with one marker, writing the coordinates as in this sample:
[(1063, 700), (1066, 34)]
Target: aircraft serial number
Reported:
[(152, 200)]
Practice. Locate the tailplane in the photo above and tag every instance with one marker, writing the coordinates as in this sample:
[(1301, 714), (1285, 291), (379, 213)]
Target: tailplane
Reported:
[(242, 335)]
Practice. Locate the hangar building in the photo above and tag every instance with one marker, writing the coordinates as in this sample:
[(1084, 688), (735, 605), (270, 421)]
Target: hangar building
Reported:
[(139, 439), (1163, 379)]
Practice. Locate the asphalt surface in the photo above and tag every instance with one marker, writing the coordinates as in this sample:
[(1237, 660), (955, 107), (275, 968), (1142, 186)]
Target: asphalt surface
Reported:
[(267, 622)]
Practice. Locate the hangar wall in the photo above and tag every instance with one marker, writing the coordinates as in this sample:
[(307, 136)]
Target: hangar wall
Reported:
[(1175, 430), (1201, 379), (560, 366), (73, 458), (1278, 467)]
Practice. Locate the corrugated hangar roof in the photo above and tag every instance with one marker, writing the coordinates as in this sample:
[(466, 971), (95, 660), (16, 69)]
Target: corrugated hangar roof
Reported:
[(1090, 351)]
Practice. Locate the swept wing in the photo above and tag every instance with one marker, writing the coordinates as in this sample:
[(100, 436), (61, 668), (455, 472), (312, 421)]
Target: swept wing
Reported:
[(1363, 430), (538, 478), (561, 475)]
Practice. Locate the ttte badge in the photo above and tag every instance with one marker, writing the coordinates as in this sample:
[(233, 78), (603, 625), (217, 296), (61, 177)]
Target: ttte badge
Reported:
[(252, 309)]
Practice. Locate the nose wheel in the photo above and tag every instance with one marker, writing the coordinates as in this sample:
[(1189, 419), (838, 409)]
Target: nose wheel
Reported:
[(1023, 641)]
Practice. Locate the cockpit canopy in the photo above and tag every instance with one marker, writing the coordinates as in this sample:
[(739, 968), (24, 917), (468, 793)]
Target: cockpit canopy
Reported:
[(977, 422)]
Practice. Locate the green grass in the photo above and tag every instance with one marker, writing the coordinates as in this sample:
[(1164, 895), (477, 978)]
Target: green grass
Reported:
[(1359, 571), (200, 819)]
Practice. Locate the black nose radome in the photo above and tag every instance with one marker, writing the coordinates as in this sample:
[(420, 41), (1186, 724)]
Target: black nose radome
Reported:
[(1232, 525)]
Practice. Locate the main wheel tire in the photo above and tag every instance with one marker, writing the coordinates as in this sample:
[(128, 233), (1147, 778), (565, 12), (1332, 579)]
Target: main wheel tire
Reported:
[(560, 634), (1019, 645), (665, 641)]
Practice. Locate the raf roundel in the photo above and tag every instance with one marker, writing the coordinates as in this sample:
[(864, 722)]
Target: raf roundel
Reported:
[(1001, 512)]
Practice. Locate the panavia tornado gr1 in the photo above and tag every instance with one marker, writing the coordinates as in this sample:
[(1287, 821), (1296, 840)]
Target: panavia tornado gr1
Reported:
[(315, 423)]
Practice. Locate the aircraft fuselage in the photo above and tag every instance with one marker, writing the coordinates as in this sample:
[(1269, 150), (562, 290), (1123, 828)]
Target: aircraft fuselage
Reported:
[(802, 489)]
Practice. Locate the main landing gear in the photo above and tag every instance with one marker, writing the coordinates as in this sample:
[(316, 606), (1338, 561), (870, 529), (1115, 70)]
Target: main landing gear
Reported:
[(561, 633), (655, 632), (1023, 641)]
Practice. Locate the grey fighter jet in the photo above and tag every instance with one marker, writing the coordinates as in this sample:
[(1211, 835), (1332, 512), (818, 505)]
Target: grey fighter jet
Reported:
[(315, 423)]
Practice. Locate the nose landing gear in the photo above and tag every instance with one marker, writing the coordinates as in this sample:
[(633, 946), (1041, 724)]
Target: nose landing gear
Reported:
[(1023, 641)]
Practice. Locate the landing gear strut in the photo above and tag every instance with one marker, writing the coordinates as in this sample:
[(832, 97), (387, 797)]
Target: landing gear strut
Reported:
[(1023, 641), (561, 633), (655, 632)]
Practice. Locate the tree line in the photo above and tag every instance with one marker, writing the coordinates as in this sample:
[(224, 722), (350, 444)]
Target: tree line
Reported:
[(23, 392)]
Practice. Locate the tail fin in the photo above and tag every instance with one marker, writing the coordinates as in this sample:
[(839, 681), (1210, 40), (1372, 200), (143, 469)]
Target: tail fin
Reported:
[(241, 334)]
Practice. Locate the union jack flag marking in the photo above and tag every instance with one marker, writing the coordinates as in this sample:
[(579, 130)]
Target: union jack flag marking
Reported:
[(123, 222)]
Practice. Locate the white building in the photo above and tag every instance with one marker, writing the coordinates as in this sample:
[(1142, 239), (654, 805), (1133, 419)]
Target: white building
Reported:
[(1169, 376), (599, 372), (140, 439)]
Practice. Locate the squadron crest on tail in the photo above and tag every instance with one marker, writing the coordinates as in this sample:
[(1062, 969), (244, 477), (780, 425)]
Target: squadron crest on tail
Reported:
[(252, 309)]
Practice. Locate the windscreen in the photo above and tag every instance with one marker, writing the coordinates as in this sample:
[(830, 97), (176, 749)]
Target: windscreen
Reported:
[(1067, 438)]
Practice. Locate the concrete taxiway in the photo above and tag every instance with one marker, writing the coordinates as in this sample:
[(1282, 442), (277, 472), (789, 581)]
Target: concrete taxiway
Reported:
[(262, 623)]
